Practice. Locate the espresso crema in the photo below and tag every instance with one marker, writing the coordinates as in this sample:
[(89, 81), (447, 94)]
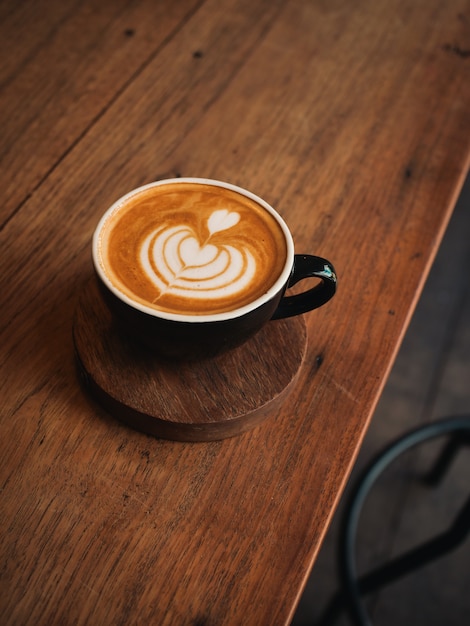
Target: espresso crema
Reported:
[(191, 248)]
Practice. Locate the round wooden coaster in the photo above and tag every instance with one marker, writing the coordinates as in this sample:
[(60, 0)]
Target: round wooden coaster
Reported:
[(185, 401)]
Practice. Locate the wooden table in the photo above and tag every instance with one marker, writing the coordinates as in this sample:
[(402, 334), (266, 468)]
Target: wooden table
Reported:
[(352, 119)]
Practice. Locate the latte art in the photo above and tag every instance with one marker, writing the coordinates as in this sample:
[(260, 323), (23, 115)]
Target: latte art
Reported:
[(191, 248), (177, 262)]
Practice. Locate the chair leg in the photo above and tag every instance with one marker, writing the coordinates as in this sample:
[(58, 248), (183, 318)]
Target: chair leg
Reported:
[(444, 460), (419, 556), (353, 587)]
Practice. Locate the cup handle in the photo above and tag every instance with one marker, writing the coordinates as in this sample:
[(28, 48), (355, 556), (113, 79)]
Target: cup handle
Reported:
[(308, 266)]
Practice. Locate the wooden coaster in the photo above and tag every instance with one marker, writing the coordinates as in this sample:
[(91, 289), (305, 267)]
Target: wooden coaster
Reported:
[(185, 401)]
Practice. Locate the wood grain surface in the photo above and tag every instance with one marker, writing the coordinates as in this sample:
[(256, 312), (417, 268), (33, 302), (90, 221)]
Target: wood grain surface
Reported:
[(199, 400), (352, 120)]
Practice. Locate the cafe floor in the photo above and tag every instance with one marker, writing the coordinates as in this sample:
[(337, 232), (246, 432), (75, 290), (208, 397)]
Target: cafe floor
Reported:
[(430, 380)]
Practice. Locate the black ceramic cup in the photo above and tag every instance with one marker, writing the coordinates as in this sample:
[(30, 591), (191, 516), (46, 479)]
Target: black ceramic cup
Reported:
[(184, 335)]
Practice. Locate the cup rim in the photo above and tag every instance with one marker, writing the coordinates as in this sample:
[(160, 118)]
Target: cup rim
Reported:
[(184, 317)]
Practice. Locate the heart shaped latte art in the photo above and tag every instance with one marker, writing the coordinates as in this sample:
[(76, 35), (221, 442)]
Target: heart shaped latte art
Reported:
[(177, 262)]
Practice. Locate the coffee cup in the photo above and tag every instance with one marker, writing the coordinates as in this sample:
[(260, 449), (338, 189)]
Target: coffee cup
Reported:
[(191, 267)]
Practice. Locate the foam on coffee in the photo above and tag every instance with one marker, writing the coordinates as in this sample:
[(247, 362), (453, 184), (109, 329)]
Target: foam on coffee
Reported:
[(191, 248)]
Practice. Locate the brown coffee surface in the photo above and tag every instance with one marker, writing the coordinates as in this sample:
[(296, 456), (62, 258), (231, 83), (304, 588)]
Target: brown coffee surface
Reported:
[(192, 248)]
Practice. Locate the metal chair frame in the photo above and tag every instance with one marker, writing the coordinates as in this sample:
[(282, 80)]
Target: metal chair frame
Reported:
[(353, 587)]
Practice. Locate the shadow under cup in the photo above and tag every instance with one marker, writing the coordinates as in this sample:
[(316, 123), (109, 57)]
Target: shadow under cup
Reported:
[(187, 336)]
